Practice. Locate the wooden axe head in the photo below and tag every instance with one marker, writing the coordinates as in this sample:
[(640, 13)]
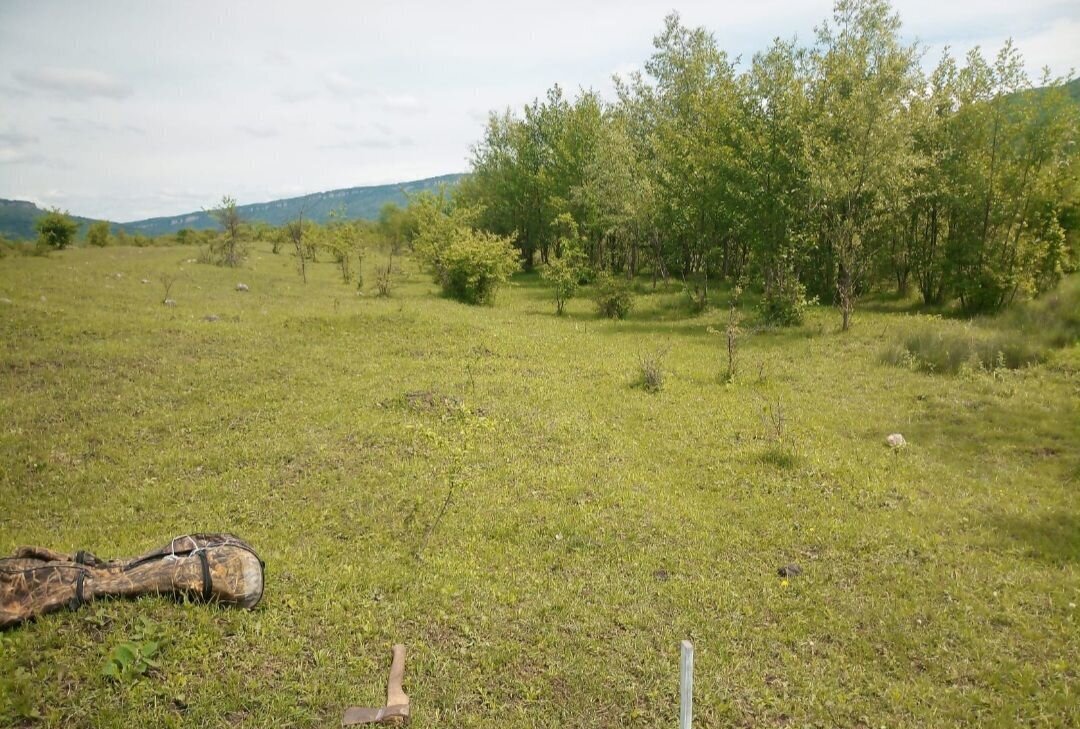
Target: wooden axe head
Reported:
[(396, 711)]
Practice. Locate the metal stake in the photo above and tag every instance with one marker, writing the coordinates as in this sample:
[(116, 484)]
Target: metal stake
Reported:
[(686, 685)]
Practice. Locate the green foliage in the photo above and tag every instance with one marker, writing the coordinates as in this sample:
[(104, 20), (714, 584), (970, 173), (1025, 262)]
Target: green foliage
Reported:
[(475, 264), (785, 303), (98, 234), (948, 351), (1020, 336), (56, 230), (565, 270), (469, 264), (132, 659), (823, 172), (229, 248), (613, 296)]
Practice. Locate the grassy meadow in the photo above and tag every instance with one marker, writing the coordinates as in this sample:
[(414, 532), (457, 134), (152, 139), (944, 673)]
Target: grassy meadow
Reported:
[(593, 524)]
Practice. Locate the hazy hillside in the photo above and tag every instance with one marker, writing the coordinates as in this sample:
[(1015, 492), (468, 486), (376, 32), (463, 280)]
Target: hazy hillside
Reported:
[(17, 216), (17, 219), (358, 202)]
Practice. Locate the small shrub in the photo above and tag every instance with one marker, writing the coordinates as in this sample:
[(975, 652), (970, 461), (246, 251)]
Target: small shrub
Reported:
[(784, 304), (651, 370), (564, 274), (383, 280), (168, 280), (97, 234), (613, 297), (133, 658), (475, 265)]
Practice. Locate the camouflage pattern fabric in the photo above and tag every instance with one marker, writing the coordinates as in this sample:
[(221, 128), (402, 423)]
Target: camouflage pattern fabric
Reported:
[(208, 567)]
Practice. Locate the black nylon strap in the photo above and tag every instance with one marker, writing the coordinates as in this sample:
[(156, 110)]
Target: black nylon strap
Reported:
[(79, 600), (80, 557), (207, 583)]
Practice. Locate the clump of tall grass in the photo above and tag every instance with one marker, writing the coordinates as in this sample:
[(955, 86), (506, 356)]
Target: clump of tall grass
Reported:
[(1018, 337), (1053, 318), (949, 351)]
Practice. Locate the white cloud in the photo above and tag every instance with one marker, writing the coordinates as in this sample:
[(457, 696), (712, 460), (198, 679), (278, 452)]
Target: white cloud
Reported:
[(259, 132), (402, 102), (14, 139), (342, 85), (73, 83)]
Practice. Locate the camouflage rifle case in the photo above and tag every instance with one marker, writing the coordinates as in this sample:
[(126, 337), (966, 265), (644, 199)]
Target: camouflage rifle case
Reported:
[(208, 567)]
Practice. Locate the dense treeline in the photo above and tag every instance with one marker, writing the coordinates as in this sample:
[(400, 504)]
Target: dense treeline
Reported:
[(813, 172)]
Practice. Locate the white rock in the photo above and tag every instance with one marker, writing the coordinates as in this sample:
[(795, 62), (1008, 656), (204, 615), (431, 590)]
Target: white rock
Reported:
[(242, 287), (145, 281), (169, 302), (895, 440)]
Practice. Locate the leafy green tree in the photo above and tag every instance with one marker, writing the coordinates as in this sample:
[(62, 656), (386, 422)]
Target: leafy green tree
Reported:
[(56, 229), (98, 234), (564, 270), (469, 264), (861, 144), (230, 247), (774, 190), (397, 226)]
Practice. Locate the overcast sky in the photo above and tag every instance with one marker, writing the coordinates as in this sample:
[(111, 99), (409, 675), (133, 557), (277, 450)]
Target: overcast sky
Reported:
[(125, 110)]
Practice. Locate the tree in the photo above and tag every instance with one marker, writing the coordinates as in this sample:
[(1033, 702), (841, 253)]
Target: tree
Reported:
[(98, 234), (564, 271), (294, 230), (229, 248), (469, 264), (860, 144), (56, 229), (774, 182)]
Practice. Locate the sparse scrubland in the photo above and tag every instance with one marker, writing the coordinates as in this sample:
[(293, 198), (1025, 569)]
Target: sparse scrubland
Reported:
[(593, 523), (594, 400)]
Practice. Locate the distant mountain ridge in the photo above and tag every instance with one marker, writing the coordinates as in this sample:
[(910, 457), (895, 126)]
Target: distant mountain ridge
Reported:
[(17, 217), (357, 202)]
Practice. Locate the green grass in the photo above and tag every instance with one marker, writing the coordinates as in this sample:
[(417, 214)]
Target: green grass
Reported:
[(593, 526), (1021, 336)]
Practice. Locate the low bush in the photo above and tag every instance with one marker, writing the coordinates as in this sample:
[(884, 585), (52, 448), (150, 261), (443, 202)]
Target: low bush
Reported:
[(475, 265), (613, 296), (785, 304), (651, 370)]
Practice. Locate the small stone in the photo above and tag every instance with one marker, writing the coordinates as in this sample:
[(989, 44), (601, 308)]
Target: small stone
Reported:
[(895, 440), (5, 301), (789, 570), (211, 317), (169, 302), (242, 287), (144, 280), (661, 575)]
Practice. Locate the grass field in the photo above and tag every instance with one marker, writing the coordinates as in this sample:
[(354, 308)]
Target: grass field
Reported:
[(593, 526)]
